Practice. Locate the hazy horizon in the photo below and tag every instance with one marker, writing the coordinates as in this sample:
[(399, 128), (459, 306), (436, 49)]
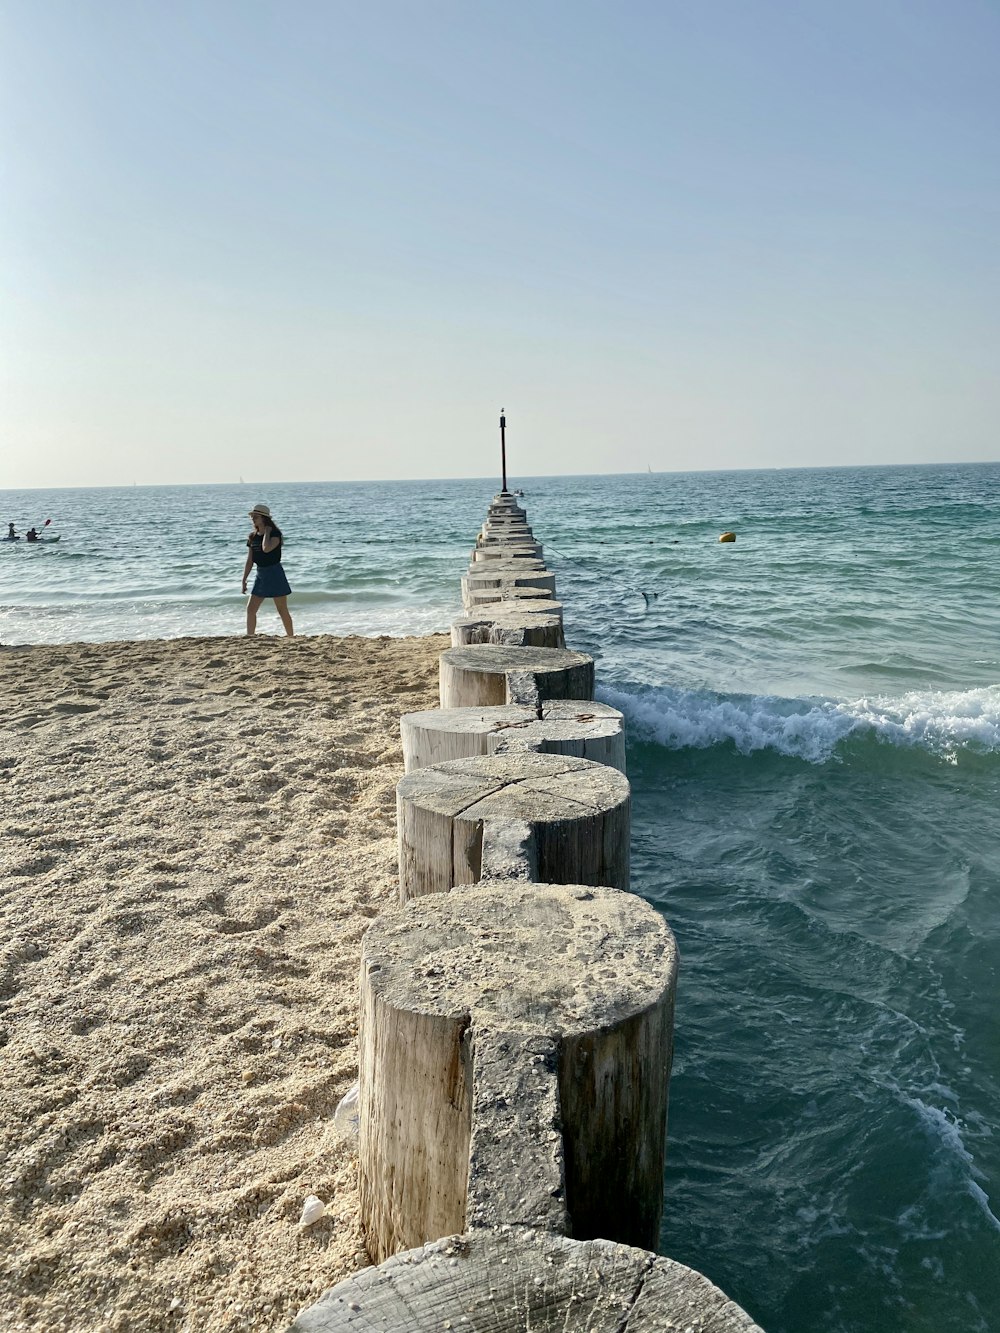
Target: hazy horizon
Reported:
[(336, 240), (490, 480)]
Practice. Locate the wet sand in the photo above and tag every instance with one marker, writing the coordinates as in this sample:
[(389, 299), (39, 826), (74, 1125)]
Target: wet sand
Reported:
[(194, 835)]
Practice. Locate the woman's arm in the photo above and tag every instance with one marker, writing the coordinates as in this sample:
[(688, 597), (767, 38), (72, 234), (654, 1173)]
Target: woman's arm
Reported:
[(270, 541), (247, 568)]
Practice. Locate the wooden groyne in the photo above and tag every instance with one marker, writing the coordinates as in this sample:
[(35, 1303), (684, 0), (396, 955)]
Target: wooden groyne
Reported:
[(516, 1020)]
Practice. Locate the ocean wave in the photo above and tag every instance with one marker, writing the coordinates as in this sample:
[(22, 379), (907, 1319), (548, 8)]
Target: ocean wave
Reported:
[(941, 721), (945, 1131)]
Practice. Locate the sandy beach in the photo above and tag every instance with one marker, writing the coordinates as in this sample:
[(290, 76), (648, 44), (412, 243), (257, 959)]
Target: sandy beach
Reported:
[(194, 835)]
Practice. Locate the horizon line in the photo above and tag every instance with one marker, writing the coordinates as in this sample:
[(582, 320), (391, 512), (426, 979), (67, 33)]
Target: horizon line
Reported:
[(541, 476)]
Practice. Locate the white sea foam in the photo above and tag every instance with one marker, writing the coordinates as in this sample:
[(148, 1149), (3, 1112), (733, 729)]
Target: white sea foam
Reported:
[(168, 618), (947, 1131), (942, 721)]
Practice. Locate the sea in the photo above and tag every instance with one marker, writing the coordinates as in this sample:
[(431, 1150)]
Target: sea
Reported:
[(814, 746)]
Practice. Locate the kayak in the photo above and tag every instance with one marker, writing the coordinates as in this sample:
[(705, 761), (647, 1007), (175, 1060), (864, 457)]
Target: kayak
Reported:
[(10, 539), (39, 540)]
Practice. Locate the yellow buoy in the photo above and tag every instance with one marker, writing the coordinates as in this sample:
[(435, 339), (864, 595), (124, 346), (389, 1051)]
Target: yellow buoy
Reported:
[(728, 537)]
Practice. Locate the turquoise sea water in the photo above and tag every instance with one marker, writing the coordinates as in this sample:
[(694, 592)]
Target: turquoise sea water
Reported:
[(814, 720)]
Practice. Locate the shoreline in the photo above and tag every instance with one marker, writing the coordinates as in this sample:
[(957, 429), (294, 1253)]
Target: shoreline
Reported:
[(195, 833), (267, 632)]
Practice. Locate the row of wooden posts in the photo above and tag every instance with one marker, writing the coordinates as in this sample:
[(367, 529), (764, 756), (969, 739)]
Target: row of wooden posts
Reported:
[(516, 1024)]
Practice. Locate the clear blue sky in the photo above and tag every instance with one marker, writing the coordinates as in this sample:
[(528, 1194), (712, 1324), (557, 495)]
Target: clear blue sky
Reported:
[(297, 240)]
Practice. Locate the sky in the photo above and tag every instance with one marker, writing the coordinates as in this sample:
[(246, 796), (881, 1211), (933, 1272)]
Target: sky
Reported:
[(294, 240)]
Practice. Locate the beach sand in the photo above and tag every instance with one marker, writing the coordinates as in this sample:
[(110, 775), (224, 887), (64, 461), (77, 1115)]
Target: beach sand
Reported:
[(194, 835)]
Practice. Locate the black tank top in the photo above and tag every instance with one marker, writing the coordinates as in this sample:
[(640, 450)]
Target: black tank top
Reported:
[(261, 557)]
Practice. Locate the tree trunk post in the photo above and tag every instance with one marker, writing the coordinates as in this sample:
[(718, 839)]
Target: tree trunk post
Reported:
[(575, 813), (515, 1047), (490, 674), (515, 630), (580, 728)]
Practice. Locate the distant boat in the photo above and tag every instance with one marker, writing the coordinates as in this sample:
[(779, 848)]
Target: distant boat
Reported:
[(519, 492), (242, 482), (648, 468)]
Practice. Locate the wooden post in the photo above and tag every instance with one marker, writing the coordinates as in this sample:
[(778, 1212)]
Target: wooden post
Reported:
[(504, 575), (492, 674), (581, 728), (495, 533), (520, 606), (508, 550), (515, 1047), (518, 1279), (527, 602), (569, 820), (502, 568), (506, 527), (506, 530), (505, 563), (505, 592), (519, 629)]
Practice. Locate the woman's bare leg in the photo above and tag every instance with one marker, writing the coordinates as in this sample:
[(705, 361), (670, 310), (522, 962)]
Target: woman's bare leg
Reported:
[(252, 606), (281, 606)]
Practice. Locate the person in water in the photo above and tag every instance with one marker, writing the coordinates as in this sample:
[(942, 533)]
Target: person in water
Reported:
[(264, 551)]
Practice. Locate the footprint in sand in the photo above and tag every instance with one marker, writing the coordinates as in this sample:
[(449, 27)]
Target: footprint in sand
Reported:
[(126, 924), (83, 1024), (231, 925)]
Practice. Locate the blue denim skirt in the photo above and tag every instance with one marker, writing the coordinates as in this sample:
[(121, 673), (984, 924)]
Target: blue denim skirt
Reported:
[(270, 582)]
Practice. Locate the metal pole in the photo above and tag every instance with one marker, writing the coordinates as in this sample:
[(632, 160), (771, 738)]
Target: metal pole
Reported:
[(503, 448)]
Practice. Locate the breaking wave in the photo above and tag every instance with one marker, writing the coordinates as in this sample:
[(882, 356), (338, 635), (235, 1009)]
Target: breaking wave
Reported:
[(941, 721)]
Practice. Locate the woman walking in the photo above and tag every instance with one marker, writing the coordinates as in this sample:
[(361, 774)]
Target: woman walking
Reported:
[(264, 551)]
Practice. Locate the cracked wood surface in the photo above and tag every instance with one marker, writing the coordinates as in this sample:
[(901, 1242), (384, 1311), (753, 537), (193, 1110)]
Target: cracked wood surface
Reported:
[(521, 628), (581, 728), (513, 593), (577, 813), (502, 565), (505, 577), (478, 675), (499, 533), (521, 1281), (503, 560), (516, 548)]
